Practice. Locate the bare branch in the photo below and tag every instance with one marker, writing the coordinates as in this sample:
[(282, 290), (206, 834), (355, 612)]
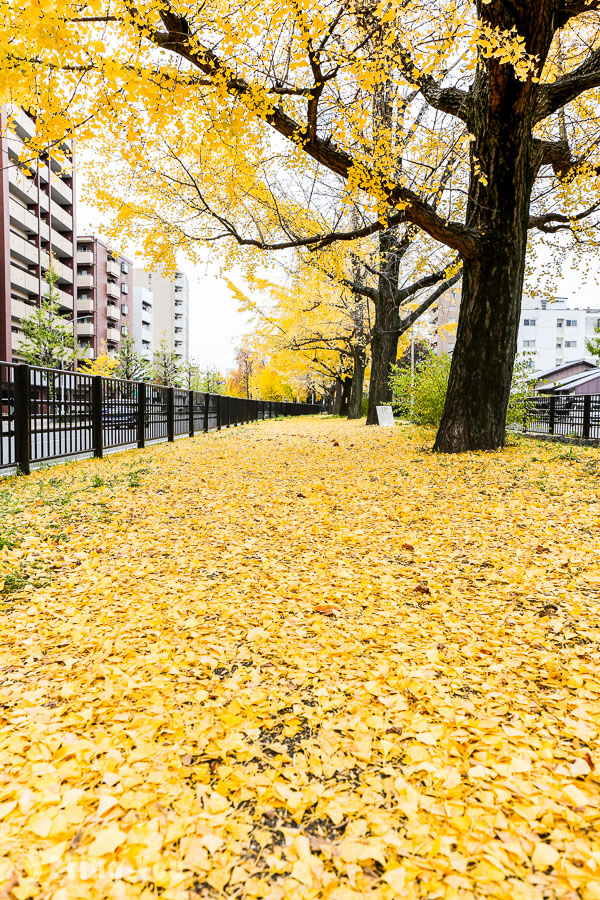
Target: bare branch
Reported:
[(553, 222), (551, 97), (568, 9), (415, 314), (176, 39)]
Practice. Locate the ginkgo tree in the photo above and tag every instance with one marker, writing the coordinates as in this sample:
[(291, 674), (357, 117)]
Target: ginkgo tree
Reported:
[(305, 88)]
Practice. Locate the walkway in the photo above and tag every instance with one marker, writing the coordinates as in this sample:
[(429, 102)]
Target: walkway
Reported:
[(304, 659)]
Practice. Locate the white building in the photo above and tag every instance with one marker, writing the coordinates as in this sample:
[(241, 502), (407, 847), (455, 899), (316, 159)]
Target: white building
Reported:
[(142, 321), (551, 334), (170, 310)]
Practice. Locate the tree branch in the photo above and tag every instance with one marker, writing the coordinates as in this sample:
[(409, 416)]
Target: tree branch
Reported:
[(414, 209), (452, 100), (408, 320), (552, 97), (568, 9), (553, 222), (402, 295)]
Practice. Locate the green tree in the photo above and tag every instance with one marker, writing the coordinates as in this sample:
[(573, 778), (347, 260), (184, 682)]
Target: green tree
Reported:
[(592, 345), (209, 380), (49, 336), (167, 369), (421, 395), (131, 366)]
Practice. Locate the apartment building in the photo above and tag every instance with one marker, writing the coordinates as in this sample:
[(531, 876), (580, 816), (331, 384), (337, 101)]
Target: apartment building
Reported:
[(552, 334), (37, 218), (142, 321), (104, 292), (170, 310)]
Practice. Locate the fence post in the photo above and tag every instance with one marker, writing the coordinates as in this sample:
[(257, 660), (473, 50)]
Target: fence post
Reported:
[(191, 412), (171, 414), (218, 412), (552, 413), (228, 407), (141, 421), (587, 410), (97, 431), (22, 419), (206, 405)]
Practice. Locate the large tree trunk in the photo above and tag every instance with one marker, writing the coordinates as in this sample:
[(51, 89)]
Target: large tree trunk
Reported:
[(384, 339), (358, 383), (337, 396), (346, 388), (384, 347), (503, 169)]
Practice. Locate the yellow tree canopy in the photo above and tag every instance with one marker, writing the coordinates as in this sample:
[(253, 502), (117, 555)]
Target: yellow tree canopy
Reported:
[(221, 116)]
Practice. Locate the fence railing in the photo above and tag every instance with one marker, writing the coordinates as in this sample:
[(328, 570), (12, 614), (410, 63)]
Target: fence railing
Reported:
[(577, 415), (50, 414)]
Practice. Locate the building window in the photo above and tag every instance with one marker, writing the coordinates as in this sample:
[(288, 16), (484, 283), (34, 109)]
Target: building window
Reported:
[(529, 343), (570, 343), (529, 321), (124, 268), (560, 323), (124, 288), (571, 323), (123, 329), (559, 345), (124, 309)]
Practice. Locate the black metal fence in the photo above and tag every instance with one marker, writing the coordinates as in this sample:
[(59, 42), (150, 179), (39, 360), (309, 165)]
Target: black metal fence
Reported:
[(577, 415), (49, 414)]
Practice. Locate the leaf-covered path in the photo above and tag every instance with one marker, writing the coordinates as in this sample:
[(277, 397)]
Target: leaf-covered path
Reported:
[(302, 659)]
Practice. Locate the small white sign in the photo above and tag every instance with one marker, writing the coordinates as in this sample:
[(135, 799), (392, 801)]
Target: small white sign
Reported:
[(385, 416)]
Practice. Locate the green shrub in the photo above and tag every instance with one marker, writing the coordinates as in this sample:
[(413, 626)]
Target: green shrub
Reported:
[(421, 397)]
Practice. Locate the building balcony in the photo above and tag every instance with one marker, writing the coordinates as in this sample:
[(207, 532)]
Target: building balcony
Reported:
[(85, 306), (21, 310), (61, 246), (21, 186), (85, 258), (65, 300), (112, 290), (61, 192), (65, 274), (61, 219), (85, 281), (25, 281), (22, 218), (85, 329), (24, 250), (112, 268), (112, 312), (113, 334)]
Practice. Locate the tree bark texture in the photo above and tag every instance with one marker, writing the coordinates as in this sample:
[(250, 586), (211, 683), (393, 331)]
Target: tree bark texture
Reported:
[(503, 170), (384, 339), (358, 383), (345, 400)]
